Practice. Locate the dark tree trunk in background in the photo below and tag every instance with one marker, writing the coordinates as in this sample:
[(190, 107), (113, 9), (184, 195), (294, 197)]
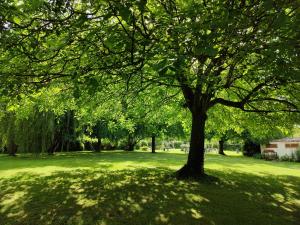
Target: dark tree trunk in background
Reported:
[(98, 134), (194, 168), (130, 143), (99, 143), (221, 147), (68, 145), (53, 148), (130, 147), (153, 144), (12, 148), (57, 141)]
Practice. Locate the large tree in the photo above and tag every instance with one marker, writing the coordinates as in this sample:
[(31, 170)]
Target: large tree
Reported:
[(241, 54)]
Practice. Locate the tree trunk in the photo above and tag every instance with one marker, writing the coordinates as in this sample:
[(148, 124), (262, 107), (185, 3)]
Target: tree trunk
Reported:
[(12, 148), (98, 147), (68, 146), (130, 143), (130, 147), (52, 148), (194, 168), (221, 147), (153, 143)]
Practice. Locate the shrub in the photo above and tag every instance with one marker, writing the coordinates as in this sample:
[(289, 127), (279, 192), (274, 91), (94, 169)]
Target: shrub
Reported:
[(297, 153), (177, 144), (144, 148), (250, 148), (290, 158), (285, 158), (107, 144), (257, 156), (143, 143), (294, 157)]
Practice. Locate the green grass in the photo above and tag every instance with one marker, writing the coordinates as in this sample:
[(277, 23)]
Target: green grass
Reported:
[(137, 188)]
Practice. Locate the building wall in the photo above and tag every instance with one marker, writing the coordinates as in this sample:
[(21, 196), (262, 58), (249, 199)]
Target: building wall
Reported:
[(283, 148)]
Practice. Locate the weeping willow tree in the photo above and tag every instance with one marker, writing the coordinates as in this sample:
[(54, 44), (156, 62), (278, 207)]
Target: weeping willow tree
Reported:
[(67, 132), (37, 132), (32, 134), (40, 132), (8, 133)]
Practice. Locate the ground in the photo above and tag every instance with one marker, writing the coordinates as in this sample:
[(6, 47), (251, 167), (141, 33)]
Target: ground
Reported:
[(138, 188)]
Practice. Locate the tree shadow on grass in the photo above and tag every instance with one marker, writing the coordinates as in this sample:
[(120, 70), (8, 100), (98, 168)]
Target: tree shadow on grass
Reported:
[(93, 160), (148, 197)]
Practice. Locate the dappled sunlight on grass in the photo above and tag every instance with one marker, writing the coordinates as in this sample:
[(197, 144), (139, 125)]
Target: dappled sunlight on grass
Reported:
[(138, 188)]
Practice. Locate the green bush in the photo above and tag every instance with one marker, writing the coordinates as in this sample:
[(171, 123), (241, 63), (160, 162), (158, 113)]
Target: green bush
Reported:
[(250, 148), (143, 143), (144, 148), (177, 144), (107, 144), (285, 158), (289, 158), (297, 153), (257, 156)]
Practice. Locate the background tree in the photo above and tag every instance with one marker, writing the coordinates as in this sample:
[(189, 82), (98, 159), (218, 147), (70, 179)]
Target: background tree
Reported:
[(236, 54), (252, 128)]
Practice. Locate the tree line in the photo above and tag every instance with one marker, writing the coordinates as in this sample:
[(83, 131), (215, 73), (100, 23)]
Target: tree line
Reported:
[(241, 55)]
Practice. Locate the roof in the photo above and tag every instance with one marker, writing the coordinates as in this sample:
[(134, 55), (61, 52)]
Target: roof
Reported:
[(295, 139)]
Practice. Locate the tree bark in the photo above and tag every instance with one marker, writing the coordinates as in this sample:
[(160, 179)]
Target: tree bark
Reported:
[(221, 147), (194, 168), (99, 143), (130, 147), (52, 148), (12, 148), (153, 144), (130, 143)]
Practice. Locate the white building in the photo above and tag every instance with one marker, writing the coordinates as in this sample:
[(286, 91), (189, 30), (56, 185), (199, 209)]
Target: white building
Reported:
[(282, 147)]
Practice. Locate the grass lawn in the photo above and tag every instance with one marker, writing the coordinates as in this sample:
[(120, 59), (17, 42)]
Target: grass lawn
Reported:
[(136, 188)]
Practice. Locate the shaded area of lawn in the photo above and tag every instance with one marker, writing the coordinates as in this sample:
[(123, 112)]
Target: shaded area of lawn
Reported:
[(148, 196)]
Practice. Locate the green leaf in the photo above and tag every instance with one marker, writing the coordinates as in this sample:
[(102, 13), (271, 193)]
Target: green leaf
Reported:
[(208, 50), (141, 5), (268, 4), (125, 13), (161, 64)]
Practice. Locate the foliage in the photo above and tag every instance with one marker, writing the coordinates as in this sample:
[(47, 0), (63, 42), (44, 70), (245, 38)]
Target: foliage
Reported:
[(238, 54), (257, 156), (229, 123), (294, 157), (29, 136), (288, 158), (297, 153), (144, 148), (250, 148)]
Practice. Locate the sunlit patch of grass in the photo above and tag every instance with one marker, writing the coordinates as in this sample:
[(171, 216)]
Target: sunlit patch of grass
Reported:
[(137, 188)]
